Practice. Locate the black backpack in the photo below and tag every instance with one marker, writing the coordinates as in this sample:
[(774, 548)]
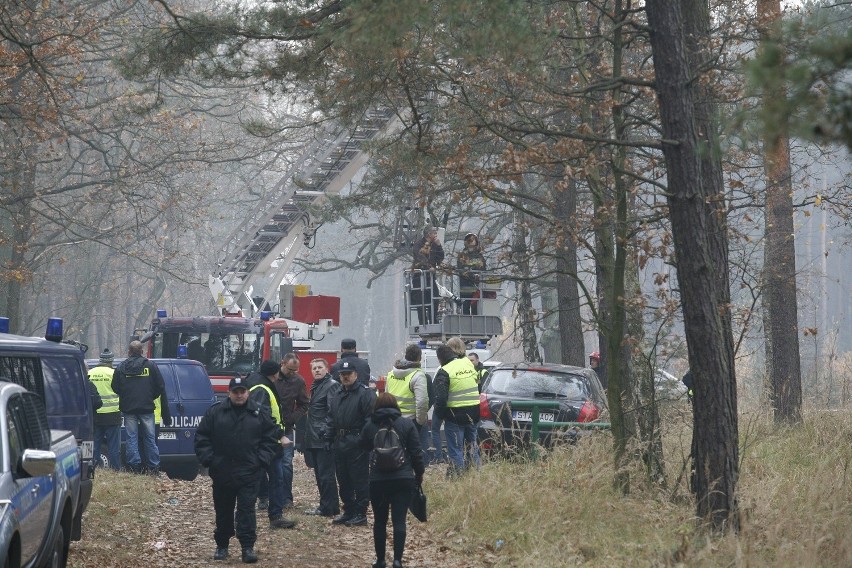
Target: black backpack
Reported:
[(388, 451)]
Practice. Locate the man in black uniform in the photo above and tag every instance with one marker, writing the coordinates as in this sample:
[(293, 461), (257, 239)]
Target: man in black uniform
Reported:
[(236, 441), (348, 412), (318, 452), (349, 353)]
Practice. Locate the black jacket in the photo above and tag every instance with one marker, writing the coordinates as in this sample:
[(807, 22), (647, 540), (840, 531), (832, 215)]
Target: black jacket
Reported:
[(292, 398), (409, 438), (362, 367), (235, 442), (427, 254), (137, 382), (349, 409), (316, 423)]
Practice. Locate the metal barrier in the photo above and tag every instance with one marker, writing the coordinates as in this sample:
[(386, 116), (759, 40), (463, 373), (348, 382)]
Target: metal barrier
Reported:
[(536, 407)]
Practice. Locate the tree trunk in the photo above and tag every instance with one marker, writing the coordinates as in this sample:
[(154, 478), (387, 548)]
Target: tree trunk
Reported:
[(526, 312), (781, 321), (699, 232), (567, 292)]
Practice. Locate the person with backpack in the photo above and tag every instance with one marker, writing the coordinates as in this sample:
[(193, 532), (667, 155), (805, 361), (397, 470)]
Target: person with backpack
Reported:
[(413, 391), (349, 409), (396, 469)]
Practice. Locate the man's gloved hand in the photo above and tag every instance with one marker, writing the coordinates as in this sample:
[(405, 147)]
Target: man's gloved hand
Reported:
[(329, 445), (418, 477)]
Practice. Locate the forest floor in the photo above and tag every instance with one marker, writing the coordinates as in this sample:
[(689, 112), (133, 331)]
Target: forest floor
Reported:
[(170, 523)]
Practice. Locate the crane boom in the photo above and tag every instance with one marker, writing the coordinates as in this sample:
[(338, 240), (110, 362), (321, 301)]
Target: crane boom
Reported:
[(277, 229)]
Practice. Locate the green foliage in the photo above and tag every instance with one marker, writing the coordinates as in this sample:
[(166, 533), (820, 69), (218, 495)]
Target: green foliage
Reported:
[(809, 59)]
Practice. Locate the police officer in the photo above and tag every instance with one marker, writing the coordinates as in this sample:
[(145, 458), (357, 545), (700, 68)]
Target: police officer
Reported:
[(349, 410), (236, 441), (138, 383), (457, 402), (349, 353), (262, 389), (108, 418)]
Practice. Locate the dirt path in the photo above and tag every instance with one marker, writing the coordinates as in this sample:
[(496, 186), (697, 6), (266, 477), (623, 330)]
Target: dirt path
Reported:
[(180, 533)]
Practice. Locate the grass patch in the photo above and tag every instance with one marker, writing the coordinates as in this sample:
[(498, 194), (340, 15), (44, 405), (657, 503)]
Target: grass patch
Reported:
[(795, 499), (127, 504)]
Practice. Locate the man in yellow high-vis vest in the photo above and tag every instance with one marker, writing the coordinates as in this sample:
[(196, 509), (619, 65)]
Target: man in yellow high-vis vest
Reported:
[(107, 419), (457, 402), (262, 390)]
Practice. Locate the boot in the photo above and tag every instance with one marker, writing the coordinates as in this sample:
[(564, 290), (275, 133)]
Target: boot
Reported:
[(379, 564), (358, 520), (249, 556), (397, 564), (342, 519), (221, 553), (281, 523)]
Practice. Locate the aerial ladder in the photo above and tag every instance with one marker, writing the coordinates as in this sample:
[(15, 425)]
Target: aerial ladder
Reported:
[(281, 227)]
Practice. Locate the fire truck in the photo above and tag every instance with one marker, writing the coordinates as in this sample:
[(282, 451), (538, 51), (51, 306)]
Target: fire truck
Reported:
[(249, 328)]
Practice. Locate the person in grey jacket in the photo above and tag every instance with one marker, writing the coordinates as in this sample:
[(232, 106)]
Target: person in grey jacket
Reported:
[(318, 450), (390, 491)]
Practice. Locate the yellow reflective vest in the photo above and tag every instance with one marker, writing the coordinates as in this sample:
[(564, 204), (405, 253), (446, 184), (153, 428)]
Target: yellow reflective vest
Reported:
[(464, 390), (273, 402), (101, 377), (401, 390)]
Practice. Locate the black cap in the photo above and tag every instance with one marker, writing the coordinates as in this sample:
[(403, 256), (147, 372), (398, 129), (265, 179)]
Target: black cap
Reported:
[(347, 344), (237, 383), (269, 367), (346, 367)]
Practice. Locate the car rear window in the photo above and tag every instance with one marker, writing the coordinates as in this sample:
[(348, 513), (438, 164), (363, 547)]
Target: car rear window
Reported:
[(65, 393), (194, 382), (536, 384)]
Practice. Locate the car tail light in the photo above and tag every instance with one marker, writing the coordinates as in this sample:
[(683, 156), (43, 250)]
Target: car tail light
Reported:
[(588, 413), (484, 409)]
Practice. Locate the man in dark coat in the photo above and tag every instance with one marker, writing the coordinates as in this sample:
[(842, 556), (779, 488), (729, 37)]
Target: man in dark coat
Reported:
[(318, 451), (349, 409), (428, 253), (349, 352), (138, 382), (235, 440), (293, 400)]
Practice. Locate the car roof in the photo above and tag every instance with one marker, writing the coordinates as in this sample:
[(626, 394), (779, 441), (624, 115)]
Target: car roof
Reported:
[(555, 367), (40, 344)]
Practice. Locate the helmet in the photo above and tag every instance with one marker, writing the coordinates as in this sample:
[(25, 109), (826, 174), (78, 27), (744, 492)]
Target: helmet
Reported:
[(595, 355), (469, 235)]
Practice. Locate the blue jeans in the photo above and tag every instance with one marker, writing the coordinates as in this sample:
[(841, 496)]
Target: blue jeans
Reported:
[(287, 471), (438, 456), (276, 489), (112, 434), (140, 428), (462, 446)]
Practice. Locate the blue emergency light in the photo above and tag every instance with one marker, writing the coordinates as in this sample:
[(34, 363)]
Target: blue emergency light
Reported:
[(265, 316), (4, 325), (422, 343), (54, 330), (480, 344), (181, 351), (162, 313)]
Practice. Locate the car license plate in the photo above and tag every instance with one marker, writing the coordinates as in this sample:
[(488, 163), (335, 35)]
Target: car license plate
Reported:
[(526, 416), (167, 436)]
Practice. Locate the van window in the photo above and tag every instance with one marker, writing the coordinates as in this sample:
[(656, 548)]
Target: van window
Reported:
[(168, 379), (65, 395), (194, 382), (21, 371)]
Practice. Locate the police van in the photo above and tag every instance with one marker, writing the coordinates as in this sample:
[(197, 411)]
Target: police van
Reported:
[(190, 394), (56, 372)]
